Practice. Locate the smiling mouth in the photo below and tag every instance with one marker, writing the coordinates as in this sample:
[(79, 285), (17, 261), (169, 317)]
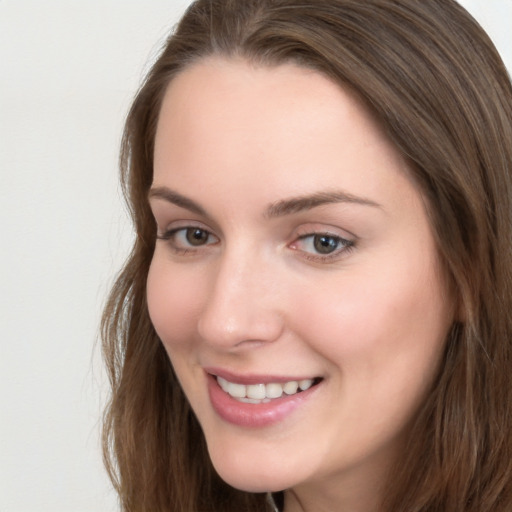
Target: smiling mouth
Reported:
[(264, 393)]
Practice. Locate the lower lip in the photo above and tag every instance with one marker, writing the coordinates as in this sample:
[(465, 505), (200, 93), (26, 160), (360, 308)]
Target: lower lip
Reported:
[(254, 415)]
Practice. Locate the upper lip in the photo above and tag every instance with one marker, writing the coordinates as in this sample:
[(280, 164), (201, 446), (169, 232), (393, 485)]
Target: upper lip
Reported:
[(252, 378)]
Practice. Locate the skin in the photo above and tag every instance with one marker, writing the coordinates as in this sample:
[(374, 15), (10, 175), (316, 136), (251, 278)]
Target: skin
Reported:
[(256, 298)]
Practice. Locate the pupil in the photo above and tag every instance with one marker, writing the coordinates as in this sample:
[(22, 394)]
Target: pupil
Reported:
[(325, 244), (196, 236)]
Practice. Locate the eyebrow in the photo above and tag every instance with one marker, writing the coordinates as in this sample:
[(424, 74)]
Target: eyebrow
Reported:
[(177, 199), (308, 202), (278, 209)]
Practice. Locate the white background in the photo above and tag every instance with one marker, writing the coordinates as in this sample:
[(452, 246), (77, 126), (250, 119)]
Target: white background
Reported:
[(68, 71)]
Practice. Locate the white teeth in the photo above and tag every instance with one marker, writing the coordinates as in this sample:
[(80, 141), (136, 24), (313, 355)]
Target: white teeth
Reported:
[(258, 393), (255, 391), (223, 383), (290, 388), (305, 384), (235, 390), (273, 390)]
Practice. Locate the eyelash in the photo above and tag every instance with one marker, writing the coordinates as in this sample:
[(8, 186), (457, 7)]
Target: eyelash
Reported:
[(170, 236), (342, 245)]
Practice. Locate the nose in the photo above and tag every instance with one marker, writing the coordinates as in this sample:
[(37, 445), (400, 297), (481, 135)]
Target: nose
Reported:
[(243, 307)]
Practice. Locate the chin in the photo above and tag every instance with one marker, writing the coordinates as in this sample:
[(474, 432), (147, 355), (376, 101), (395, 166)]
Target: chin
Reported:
[(255, 483), (250, 476)]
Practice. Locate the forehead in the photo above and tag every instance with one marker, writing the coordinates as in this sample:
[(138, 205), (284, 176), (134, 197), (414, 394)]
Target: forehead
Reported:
[(207, 85), (233, 133), (231, 110)]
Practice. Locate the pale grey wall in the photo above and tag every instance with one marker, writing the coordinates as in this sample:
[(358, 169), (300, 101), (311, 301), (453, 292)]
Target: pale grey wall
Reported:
[(67, 73)]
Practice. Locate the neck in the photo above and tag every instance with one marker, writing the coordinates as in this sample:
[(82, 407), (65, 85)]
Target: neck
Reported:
[(354, 492), (297, 503)]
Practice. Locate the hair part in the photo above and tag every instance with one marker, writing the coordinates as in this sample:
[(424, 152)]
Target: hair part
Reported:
[(438, 87)]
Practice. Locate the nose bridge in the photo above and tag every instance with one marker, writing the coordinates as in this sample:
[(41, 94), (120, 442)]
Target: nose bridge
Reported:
[(241, 305)]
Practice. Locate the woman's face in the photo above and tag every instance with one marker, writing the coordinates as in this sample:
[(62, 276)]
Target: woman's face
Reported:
[(293, 252)]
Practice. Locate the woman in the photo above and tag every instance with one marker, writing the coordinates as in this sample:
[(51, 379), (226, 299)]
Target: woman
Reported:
[(316, 304)]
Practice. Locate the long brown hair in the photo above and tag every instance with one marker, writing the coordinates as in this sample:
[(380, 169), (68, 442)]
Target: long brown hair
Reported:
[(436, 83)]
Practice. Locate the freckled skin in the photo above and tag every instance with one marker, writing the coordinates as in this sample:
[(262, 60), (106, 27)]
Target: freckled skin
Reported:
[(256, 297)]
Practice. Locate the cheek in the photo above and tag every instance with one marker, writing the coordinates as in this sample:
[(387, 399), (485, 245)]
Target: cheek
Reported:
[(173, 302), (383, 346), (379, 323)]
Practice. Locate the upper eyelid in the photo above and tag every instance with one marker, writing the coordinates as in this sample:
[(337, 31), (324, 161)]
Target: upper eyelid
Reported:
[(163, 196), (346, 246), (169, 235), (327, 234), (176, 225), (315, 228), (342, 239), (165, 219), (165, 223)]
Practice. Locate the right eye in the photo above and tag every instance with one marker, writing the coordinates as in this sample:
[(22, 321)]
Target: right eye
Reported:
[(187, 239)]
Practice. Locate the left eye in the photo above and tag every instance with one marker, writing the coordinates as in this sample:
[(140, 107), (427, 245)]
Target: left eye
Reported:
[(194, 236), (186, 238), (323, 244)]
